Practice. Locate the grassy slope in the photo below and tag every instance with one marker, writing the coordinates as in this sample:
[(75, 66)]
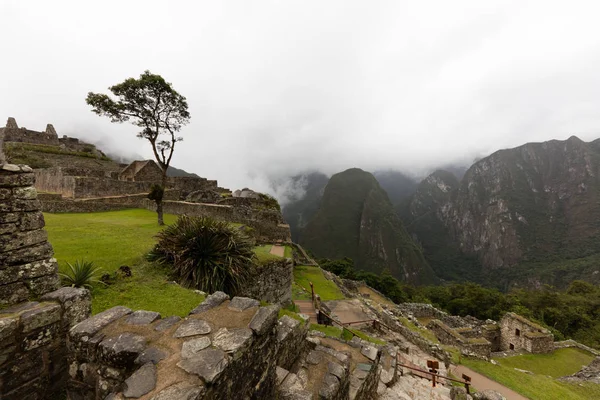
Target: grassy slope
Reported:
[(541, 385), (112, 239), (325, 288)]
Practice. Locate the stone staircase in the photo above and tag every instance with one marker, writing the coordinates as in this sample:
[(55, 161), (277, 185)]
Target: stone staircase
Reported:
[(331, 369), (307, 308)]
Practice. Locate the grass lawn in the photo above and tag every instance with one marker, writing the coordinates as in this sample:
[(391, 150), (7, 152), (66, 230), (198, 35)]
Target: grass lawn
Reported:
[(112, 239), (541, 385), (263, 253), (325, 288)]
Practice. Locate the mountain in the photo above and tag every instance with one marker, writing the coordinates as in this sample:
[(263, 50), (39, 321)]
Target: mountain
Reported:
[(529, 215), (397, 185), (172, 171), (304, 203), (356, 219)]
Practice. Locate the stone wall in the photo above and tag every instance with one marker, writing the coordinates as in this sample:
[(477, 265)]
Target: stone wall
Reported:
[(12, 133), (222, 350), (520, 333), (473, 346), (27, 269), (271, 282), (32, 333)]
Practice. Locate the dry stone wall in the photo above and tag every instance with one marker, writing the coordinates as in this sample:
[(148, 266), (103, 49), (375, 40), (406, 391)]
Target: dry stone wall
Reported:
[(271, 282), (519, 333), (34, 317)]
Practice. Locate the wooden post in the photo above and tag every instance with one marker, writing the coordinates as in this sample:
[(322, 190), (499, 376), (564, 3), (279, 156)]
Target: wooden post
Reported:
[(312, 290)]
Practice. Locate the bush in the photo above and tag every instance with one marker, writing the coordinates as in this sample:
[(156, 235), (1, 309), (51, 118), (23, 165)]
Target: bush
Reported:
[(206, 254), (82, 274)]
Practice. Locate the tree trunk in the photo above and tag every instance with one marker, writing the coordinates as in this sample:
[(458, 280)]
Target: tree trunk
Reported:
[(159, 202), (159, 211)]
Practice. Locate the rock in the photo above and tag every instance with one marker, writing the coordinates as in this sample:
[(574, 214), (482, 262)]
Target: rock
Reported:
[(207, 364), (166, 323), (264, 319), (488, 395), (232, 340), (142, 317), (212, 301), (152, 355), (141, 382), (122, 351), (458, 393), (92, 325), (193, 346), (314, 357), (370, 352), (336, 369), (242, 303), (40, 316), (329, 387), (192, 327), (180, 391), (317, 334), (281, 374)]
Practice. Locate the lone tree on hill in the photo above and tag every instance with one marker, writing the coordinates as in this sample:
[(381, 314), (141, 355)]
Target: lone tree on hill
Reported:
[(152, 104)]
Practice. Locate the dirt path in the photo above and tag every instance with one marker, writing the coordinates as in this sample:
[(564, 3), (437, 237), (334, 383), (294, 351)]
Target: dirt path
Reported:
[(481, 382), (278, 250)]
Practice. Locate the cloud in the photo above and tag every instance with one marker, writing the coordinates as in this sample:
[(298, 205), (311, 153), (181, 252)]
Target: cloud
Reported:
[(279, 87)]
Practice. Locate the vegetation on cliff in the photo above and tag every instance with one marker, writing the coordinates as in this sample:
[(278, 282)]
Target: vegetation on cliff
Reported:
[(357, 220)]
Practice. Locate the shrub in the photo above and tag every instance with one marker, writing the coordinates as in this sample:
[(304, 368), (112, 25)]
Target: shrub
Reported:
[(205, 253), (82, 274)]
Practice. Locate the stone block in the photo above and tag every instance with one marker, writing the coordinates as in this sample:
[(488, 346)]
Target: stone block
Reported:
[(7, 353), (193, 346), (232, 340), (208, 364), (329, 387), (9, 180), (142, 317), (211, 301), (76, 304), (43, 284), (14, 273), (166, 323), (19, 205), (25, 193), (13, 293), (48, 337), (27, 254), (122, 351), (142, 382), (18, 240), (93, 325), (180, 391), (370, 352), (151, 354), (5, 218), (8, 329), (264, 320), (8, 228), (242, 303), (44, 314), (31, 221), (192, 327), (23, 368)]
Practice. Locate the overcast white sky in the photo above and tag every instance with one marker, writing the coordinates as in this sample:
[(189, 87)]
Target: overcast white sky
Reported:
[(278, 87)]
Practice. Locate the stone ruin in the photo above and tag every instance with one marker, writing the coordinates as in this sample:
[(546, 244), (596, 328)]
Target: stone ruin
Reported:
[(35, 317), (518, 333), (224, 349)]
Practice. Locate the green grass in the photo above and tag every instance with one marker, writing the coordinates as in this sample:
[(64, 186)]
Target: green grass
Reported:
[(559, 363), (426, 333), (288, 252), (325, 288), (112, 239), (263, 254), (290, 313), (541, 385)]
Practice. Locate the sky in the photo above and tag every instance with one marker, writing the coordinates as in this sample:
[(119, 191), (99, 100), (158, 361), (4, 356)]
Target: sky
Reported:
[(276, 88)]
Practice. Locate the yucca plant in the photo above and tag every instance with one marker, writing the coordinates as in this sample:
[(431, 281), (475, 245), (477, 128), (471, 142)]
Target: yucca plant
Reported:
[(205, 253), (82, 274)]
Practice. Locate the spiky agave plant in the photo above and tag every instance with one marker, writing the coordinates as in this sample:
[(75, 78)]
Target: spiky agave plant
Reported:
[(82, 274), (205, 253)]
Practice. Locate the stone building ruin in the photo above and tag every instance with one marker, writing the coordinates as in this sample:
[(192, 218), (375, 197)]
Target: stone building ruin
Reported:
[(518, 333), (145, 171)]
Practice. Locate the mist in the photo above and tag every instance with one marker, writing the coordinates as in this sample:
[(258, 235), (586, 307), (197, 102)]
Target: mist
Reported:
[(277, 88)]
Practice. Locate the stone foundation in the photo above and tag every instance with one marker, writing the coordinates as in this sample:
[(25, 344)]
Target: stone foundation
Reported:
[(520, 333), (472, 346)]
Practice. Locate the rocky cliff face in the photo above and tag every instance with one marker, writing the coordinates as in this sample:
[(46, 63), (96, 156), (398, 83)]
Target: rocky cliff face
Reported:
[(536, 203), (357, 220)]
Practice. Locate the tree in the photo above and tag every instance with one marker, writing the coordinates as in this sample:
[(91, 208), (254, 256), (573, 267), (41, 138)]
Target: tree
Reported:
[(152, 104)]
